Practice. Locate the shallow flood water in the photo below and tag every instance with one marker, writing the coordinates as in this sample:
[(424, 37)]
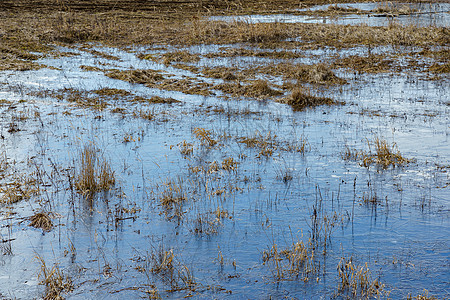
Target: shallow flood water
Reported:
[(239, 202), (420, 14)]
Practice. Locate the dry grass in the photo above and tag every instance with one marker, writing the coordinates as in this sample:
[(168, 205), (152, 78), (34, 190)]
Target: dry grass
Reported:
[(356, 281), (171, 57), (154, 79), (298, 260), (112, 92), (369, 64), (302, 98), (423, 296), (41, 220), (186, 149), (94, 174), (163, 263), (56, 283), (266, 144), (205, 136), (259, 89), (172, 196), (21, 188), (384, 155), (136, 76), (440, 68)]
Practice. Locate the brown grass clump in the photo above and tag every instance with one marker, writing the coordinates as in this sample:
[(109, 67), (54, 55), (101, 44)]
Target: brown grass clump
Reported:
[(186, 85), (293, 262), (21, 188), (440, 69), (173, 272), (41, 220), (356, 281), (112, 92), (54, 280), (16, 56), (423, 296), (256, 89), (90, 68), (156, 100), (94, 172), (171, 57), (172, 197), (224, 73), (302, 98), (319, 74), (136, 76), (154, 79), (266, 145), (260, 88), (384, 155), (205, 136), (368, 64)]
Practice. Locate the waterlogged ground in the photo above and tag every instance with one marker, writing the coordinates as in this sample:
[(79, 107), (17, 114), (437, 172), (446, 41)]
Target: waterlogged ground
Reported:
[(221, 189), (372, 14)]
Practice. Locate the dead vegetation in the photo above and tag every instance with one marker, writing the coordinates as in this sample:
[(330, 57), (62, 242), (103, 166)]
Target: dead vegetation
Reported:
[(163, 263), (384, 155), (296, 261), (154, 79), (424, 296), (94, 173), (172, 57), (369, 64), (22, 187), (265, 144), (41, 220), (259, 89), (55, 281), (302, 98), (357, 282)]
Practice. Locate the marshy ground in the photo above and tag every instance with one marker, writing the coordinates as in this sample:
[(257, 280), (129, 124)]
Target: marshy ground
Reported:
[(224, 149)]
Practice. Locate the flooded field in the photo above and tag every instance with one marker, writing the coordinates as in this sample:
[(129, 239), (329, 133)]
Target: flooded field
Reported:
[(230, 153)]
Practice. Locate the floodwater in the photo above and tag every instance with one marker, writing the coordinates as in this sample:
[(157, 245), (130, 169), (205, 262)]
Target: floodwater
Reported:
[(418, 14), (105, 244)]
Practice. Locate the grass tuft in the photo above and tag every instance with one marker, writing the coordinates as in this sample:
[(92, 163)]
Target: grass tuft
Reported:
[(41, 220), (94, 172), (302, 98), (54, 280)]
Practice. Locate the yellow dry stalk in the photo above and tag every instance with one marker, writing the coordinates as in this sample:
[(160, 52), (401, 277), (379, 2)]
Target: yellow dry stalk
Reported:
[(95, 173), (54, 280), (229, 164), (357, 280), (204, 136), (186, 149)]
